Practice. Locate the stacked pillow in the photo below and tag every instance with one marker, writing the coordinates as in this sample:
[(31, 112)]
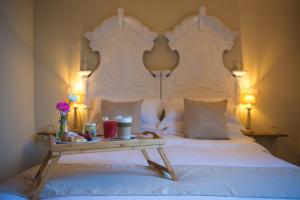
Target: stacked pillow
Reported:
[(175, 123), (145, 112), (192, 118)]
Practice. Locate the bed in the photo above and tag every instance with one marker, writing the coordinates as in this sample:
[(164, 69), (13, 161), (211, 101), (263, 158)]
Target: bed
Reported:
[(235, 168)]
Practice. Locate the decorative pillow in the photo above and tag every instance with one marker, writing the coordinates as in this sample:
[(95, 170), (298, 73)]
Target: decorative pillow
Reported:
[(205, 120), (133, 108), (174, 109), (150, 113)]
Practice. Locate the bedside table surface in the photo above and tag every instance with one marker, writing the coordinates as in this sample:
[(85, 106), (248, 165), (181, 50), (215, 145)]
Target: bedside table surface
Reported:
[(264, 134)]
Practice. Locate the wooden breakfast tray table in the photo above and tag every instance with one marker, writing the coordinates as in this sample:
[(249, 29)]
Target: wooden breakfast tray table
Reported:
[(142, 142)]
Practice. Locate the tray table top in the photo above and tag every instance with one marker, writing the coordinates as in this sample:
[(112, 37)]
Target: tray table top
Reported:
[(141, 141)]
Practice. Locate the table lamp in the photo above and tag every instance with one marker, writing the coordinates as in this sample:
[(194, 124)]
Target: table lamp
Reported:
[(249, 100), (79, 104)]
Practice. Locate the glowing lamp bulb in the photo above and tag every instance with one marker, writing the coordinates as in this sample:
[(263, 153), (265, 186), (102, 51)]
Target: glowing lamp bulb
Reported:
[(78, 86), (249, 99)]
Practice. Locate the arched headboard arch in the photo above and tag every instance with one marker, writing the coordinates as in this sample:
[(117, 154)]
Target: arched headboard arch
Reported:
[(200, 42), (121, 41)]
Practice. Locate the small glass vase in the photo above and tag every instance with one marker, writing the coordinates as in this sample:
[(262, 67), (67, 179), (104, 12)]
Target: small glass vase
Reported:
[(62, 131)]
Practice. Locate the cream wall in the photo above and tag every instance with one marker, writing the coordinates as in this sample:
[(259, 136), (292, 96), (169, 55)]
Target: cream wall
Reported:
[(271, 52), (56, 55), (16, 86), (267, 44)]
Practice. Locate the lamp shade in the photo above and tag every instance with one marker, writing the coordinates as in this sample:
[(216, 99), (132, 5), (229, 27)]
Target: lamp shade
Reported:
[(80, 101), (249, 99)]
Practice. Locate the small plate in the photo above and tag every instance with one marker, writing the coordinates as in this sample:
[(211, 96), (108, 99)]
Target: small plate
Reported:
[(94, 139)]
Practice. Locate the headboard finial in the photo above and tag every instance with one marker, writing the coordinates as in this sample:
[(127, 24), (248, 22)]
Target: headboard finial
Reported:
[(202, 13), (121, 17)]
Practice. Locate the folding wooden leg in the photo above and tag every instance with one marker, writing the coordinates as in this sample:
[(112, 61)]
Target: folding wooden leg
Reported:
[(168, 169), (45, 176), (167, 163), (39, 173), (146, 155)]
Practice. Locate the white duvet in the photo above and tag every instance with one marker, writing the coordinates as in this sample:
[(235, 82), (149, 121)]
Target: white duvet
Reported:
[(183, 151), (231, 166)]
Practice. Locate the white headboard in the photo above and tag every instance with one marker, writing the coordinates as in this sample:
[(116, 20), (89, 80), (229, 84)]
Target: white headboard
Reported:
[(200, 42), (121, 41)]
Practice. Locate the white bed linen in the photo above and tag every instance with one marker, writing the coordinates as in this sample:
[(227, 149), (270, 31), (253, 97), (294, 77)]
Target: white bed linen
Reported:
[(240, 152), (157, 198), (14, 197), (184, 151)]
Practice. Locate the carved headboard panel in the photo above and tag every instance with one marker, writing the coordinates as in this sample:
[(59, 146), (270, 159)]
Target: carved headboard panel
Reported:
[(121, 41), (200, 42)]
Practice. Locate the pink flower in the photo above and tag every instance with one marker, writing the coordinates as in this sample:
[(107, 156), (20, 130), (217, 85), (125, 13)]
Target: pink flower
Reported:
[(63, 107)]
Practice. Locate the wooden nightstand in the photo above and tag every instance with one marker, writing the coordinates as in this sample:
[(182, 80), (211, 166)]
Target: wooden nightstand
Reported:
[(266, 139)]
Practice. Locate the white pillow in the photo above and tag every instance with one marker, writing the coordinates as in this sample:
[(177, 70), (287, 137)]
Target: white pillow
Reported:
[(150, 112), (174, 110), (173, 120)]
